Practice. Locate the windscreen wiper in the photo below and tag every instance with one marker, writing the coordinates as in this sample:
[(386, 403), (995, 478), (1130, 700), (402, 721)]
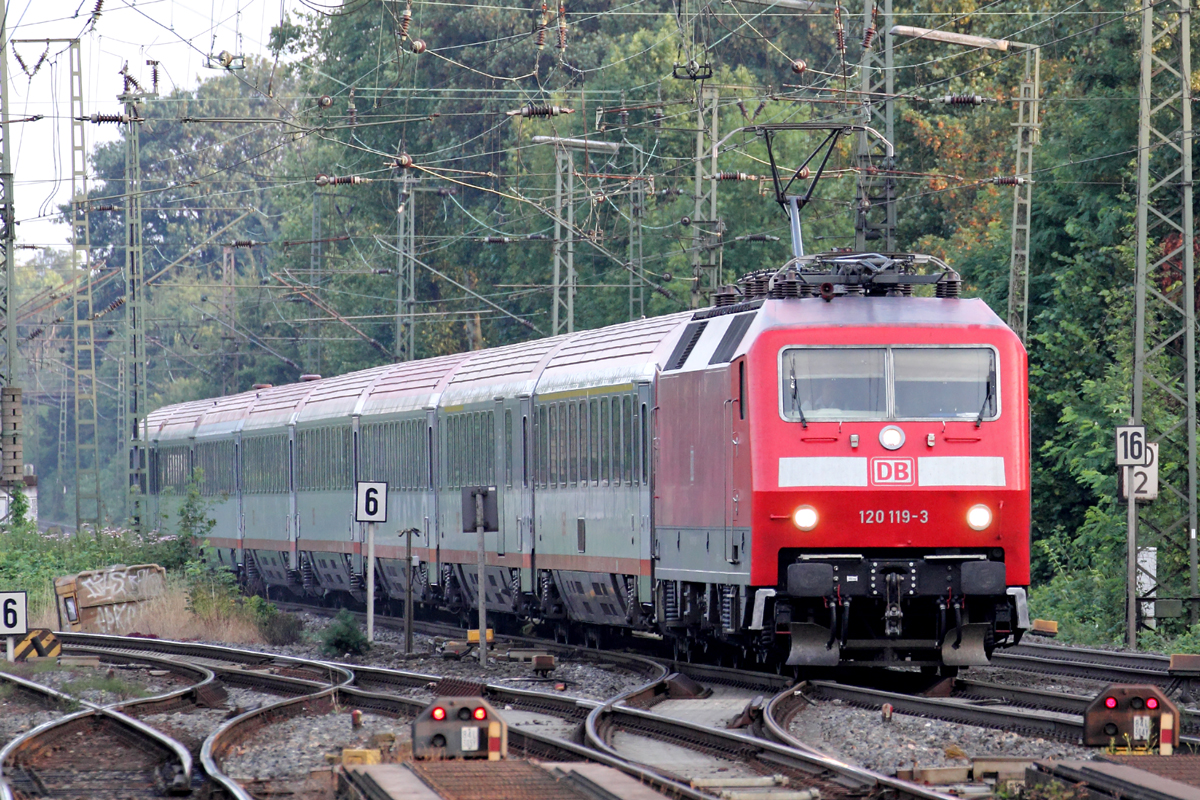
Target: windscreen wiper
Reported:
[(987, 398), (796, 399)]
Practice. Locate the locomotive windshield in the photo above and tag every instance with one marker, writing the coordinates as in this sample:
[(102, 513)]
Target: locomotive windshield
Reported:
[(863, 383)]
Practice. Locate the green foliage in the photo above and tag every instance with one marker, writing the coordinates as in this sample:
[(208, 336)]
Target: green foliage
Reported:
[(343, 636), (213, 591), (18, 508), (276, 627), (193, 526), (98, 683)]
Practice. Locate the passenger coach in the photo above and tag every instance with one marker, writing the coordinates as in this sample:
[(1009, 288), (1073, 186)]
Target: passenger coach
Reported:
[(793, 478)]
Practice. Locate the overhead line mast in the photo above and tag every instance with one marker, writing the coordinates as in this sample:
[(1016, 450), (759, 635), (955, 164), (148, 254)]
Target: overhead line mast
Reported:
[(1165, 296)]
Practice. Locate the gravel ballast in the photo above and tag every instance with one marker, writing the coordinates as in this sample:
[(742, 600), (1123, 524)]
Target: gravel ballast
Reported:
[(859, 735)]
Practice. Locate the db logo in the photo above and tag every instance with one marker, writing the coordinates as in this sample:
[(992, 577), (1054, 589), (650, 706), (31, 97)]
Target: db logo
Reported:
[(893, 472)]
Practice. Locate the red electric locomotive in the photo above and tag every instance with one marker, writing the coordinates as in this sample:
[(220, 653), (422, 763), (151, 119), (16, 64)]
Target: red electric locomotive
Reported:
[(864, 462)]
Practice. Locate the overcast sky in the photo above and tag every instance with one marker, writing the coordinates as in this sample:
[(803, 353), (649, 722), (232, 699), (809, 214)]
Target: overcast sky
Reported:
[(177, 33)]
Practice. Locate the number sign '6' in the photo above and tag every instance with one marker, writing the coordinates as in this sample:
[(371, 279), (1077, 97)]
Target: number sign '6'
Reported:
[(370, 502), (12, 614)]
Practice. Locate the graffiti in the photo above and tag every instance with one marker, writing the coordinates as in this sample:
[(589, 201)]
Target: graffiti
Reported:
[(121, 584), (115, 618)]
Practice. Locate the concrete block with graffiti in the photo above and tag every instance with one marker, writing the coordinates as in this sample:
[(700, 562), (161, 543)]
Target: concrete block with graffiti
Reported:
[(110, 600)]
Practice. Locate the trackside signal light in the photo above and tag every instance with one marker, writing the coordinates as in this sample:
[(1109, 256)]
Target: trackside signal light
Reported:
[(481, 713), (438, 713), (805, 518), (1151, 703), (1110, 702)]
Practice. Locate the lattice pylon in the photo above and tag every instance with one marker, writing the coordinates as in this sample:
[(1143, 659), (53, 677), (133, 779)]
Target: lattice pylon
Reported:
[(1164, 367), (89, 504), (875, 194), (706, 227)]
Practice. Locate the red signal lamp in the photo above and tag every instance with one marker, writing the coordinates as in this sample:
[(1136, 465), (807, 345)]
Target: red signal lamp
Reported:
[(1110, 702), (1151, 703), (439, 713), (481, 713)]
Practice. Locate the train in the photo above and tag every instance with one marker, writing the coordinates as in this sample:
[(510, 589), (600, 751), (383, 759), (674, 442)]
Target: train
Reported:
[(829, 466)]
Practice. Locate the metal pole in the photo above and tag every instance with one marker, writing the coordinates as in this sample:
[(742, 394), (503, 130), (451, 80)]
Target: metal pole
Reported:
[(408, 609), (559, 155), (135, 289), (1165, 257), (9, 301), (875, 198), (480, 593), (571, 281), (11, 639), (313, 362), (370, 581), (706, 246), (1131, 566), (406, 287), (1028, 128)]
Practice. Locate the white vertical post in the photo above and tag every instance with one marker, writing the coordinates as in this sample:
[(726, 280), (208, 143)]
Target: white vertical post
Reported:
[(11, 644), (370, 581), (1131, 565)]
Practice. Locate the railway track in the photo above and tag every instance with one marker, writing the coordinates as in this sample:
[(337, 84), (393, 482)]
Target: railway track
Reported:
[(1079, 662), (543, 725), (95, 752)]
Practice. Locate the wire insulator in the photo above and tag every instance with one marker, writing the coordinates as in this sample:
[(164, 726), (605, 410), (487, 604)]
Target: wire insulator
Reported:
[(734, 176), (153, 65), (324, 101), (403, 161), (540, 40), (243, 243), (959, 100), (840, 30), (757, 111), (102, 118), (326, 180), (105, 207), (497, 240), (803, 173), (623, 117), (405, 21), (659, 116), (562, 28), (539, 111), (417, 46), (97, 9), (1009, 180), (868, 36)]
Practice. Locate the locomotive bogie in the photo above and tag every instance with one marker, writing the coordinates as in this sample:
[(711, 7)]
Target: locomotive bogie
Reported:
[(668, 476)]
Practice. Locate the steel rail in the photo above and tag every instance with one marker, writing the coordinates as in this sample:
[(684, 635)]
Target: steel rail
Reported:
[(167, 745), (1081, 662)]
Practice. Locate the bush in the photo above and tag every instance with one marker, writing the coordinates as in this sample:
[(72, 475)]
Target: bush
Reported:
[(277, 627), (343, 636)]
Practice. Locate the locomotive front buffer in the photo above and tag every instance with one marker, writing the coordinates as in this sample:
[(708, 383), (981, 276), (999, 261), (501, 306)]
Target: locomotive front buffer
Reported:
[(1132, 718), (460, 727)]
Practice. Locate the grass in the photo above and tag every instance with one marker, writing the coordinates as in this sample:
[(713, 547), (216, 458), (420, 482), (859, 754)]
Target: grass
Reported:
[(98, 683), (170, 616)]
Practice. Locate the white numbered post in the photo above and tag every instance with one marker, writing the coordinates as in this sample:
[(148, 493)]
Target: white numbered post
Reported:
[(1131, 452), (13, 618), (370, 506)]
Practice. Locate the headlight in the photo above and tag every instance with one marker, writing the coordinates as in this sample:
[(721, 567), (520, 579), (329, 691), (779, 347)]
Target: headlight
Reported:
[(979, 517), (805, 518), (891, 437)]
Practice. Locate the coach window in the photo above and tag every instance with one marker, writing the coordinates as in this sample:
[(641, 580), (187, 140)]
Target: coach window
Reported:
[(572, 444), (742, 389), (508, 447), (594, 438), (827, 383), (552, 439), (605, 444)]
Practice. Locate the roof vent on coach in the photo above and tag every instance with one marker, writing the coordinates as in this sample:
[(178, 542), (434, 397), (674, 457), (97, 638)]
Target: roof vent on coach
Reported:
[(310, 377), (258, 386)]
